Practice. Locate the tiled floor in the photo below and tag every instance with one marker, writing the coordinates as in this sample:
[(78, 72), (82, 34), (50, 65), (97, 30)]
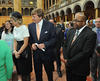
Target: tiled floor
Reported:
[(55, 75)]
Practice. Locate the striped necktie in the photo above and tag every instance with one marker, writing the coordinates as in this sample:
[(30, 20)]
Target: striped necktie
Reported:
[(75, 36)]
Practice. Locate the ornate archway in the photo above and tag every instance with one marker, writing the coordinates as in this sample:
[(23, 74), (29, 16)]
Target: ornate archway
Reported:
[(62, 14), (4, 12), (9, 11), (31, 10), (89, 10), (57, 17), (77, 8), (26, 11), (69, 14)]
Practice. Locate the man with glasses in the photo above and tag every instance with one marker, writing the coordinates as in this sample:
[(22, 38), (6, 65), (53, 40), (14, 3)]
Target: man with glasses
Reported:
[(95, 61), (79, 47)]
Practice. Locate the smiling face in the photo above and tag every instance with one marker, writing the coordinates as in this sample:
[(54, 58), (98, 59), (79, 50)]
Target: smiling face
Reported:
[(7, 25)]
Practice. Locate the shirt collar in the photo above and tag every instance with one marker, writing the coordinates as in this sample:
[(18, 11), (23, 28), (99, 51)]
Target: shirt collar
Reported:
[(81, 29), (41, 22), (98, 29)]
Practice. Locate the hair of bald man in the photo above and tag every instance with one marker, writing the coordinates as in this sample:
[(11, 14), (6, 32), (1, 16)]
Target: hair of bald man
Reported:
[(80, 14)]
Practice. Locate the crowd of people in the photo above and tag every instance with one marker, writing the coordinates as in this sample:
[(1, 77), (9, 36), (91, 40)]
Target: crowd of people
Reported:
[(42, 40)]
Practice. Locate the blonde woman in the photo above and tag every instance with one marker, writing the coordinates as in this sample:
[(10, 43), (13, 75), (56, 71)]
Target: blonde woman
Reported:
[(22, 52)]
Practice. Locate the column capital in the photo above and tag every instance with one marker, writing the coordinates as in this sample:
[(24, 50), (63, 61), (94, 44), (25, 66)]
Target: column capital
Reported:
[(96, 13)]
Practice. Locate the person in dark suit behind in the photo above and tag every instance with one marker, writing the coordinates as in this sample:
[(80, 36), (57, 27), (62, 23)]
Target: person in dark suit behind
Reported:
[(63, 30), (58, 43), (95, 60), (79, 47), (42, 40)]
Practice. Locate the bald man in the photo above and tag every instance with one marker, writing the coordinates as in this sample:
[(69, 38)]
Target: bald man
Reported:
[(78, 49)]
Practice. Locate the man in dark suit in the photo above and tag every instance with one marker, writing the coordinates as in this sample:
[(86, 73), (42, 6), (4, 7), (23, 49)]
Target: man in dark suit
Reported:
[(63, 30), (42, 40), (78, 49)]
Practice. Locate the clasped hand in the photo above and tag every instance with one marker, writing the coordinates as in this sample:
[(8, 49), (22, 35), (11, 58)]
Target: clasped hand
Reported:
[(17, 55)]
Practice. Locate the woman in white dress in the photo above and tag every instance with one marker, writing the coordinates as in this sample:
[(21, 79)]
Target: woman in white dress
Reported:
[(22, 52)]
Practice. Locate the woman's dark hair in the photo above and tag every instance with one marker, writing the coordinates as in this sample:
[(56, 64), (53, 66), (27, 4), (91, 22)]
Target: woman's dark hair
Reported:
[(17, 17), (6, 30)]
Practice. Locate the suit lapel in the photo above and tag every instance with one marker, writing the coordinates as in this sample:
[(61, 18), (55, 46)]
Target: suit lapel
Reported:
[(79, 37), (42, 29), (34, 33)]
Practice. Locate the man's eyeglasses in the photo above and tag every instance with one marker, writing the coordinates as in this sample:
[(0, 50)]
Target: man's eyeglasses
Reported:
[(78, 20)]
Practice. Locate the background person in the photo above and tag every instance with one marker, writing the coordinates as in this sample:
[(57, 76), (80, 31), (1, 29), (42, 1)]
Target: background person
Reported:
[(58, 43), (78, 49), (95, 60)]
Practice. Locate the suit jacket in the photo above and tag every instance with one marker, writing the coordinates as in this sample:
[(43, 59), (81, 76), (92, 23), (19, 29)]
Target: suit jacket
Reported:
[(6, 62), (78, 54), (47, 36)]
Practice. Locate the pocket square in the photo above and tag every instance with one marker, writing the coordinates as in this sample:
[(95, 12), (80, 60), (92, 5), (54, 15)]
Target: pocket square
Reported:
[(46, 31)]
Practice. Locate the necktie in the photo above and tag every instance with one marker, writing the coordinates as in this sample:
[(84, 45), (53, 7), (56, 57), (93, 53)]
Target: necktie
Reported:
[(75, 36), (38, 31)]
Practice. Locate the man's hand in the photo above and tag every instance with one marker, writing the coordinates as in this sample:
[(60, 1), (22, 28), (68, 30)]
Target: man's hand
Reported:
[(34, 46), (41, 46), (65, 61), (98, 54)]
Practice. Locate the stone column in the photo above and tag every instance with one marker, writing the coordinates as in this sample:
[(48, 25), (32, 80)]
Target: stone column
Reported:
[(65, 18), (45, 4), (55, 2), (72, 16), (40, 4), (51, 3), (96, 13), (48, 4), (17, 5)]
